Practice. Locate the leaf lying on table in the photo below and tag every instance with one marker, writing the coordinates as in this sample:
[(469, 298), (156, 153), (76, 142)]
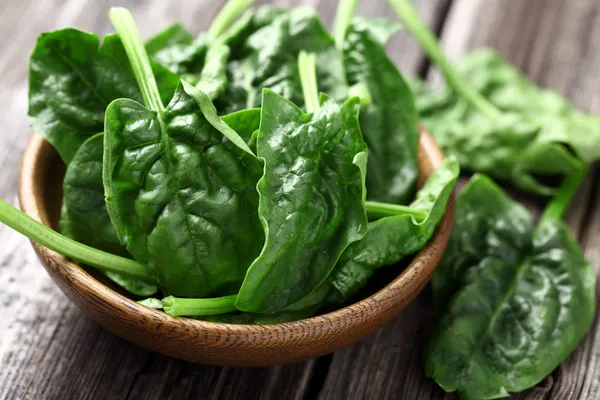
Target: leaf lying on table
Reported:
[(535, 136), (390, 239), (72, 79), (313, 177), (518, 300), (389, 121), (180, 194), (84, 217)]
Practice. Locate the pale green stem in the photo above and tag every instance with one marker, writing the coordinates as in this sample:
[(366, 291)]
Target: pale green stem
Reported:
[(559, 204), (307, 68), (413, 23), (40, 233), (343, 15), (176, 306), (379, 210), (138, 58), (229, 13)]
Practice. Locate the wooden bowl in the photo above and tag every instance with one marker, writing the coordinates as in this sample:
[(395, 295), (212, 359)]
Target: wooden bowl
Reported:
[(214, 343)]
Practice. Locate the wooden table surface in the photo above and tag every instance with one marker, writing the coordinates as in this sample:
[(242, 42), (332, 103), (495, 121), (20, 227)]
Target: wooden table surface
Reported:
[(51, 350)]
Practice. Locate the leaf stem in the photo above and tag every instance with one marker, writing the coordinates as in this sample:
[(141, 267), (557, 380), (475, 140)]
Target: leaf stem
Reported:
[(559, 204), (138, 58), (176, 306), (228, 14), (380, 210), (307, 68), (343, 15), (409, 16), (40, 233)]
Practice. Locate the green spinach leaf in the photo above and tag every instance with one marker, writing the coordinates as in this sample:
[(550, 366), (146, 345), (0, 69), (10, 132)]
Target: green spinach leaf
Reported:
[(269, 57), (534, 137), (518, 300), (390, 239), (389, 122), (313, 177), (84, 217), (180, 195), (72, 79)]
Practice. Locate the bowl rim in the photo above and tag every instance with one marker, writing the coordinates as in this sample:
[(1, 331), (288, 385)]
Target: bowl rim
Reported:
[(389, 299)]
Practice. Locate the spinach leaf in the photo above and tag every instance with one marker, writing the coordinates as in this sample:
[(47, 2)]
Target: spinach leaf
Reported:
[(313, 177), (72, 79), (518, 300), (245, 123), (84, 217), (269, 57), (180, 195), (177, 187), (496, 121), (390, 239), (176, 49), (534, 136), (389, 122)]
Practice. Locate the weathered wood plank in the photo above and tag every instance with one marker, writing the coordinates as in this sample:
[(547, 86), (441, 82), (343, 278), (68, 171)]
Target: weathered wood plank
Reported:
[(555, 43)]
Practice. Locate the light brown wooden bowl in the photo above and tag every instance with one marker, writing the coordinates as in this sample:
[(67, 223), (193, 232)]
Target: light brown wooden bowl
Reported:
[(214, 343)]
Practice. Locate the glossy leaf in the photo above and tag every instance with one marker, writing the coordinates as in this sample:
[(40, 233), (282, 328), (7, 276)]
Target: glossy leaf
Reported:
[(517, 301), (180, 194), (389, 122), (269, 58), (390, 239), (312, 178), (535, 136), (72, 79), (84, 217), (213, 77), (176, 49)]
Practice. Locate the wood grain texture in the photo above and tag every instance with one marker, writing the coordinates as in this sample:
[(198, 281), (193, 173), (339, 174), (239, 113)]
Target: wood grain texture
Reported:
[(557, 44), (48, 348)]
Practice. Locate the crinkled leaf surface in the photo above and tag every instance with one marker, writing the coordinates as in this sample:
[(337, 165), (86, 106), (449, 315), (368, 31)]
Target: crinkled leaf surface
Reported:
[(84, 217), (518, 301), (390, 239), (389, 123), (269, 59), (176, 49), (311, 199), (181, 196), (534, 137), (72, 79)]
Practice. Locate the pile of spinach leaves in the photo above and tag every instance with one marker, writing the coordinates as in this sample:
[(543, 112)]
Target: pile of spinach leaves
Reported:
[(264, 170), (514, 298), (256, 173)]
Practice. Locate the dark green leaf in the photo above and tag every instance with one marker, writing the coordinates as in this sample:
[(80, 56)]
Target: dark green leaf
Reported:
[(534, 137), (181, 197), (176, 49), (71, 82), (269, 59), (84, 217), (389, 123), (213, 78), (311, 199), (390, 239), (518, 301)]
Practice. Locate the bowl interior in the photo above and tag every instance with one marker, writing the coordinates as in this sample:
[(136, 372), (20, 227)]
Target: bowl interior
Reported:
[(40, 194)]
